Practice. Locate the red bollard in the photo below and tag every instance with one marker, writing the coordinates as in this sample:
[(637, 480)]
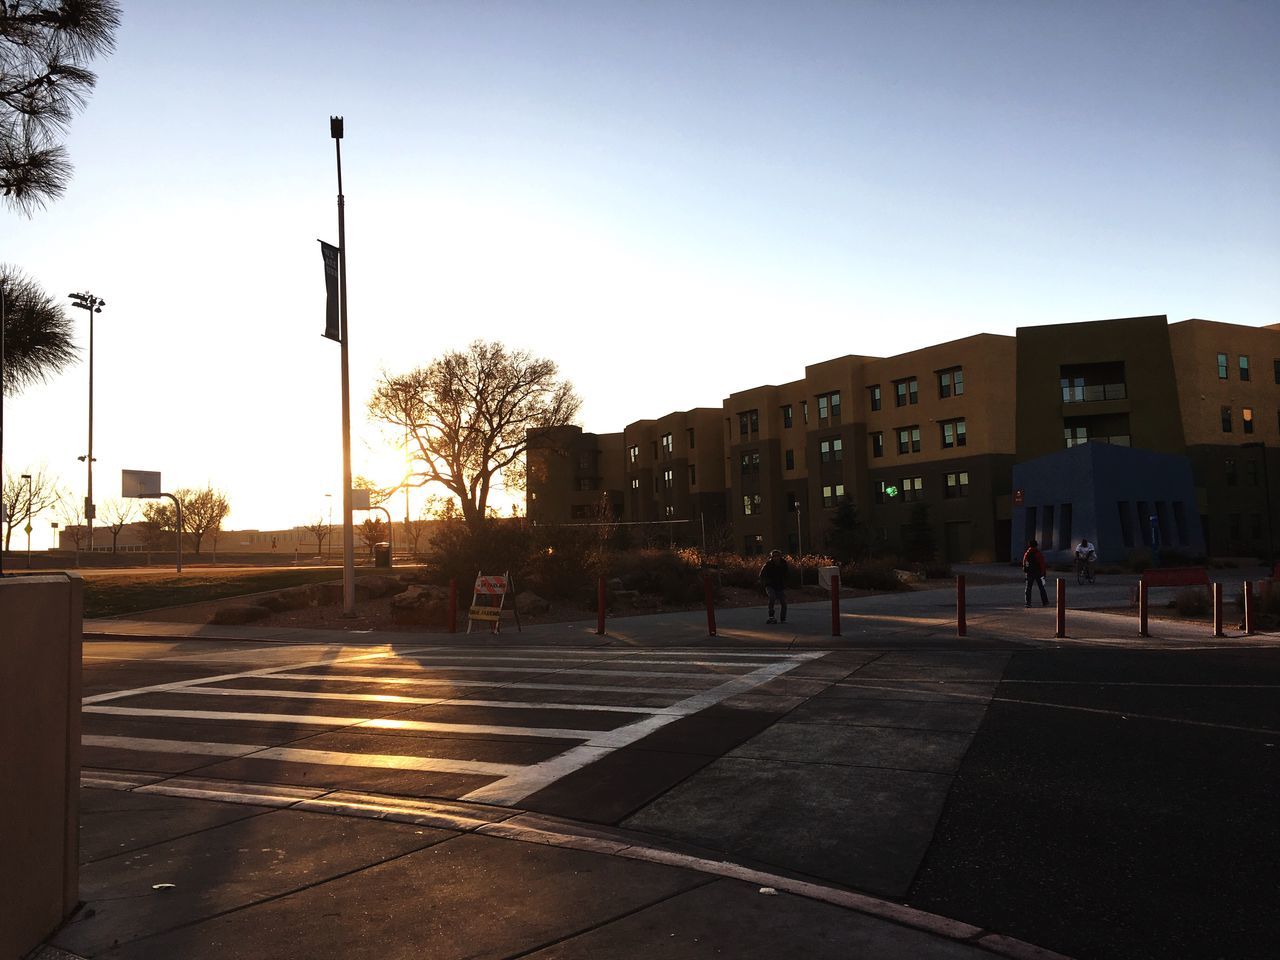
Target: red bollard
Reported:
[(1142, 609), (600, 601), (453, 604), (962, 628), (835, 605), (1216, 593), (1061, 630), (711, 604), (1248, 609)]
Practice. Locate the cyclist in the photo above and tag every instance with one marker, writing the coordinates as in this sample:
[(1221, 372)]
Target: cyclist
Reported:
[(1085, 557)]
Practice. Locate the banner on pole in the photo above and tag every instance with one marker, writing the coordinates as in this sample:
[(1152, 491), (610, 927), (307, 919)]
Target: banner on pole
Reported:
[(332, 329)]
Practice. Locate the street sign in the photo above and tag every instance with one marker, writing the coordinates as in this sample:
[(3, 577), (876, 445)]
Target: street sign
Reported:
[(139, 483), (359, 499)]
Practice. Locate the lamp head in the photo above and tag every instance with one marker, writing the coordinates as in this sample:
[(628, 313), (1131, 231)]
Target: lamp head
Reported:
[(335, 127)]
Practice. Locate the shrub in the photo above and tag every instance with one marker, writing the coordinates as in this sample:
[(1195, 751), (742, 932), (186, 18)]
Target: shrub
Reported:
[(459, 551), (1192, 601), (937, 570), (675, 576), (871, 575)]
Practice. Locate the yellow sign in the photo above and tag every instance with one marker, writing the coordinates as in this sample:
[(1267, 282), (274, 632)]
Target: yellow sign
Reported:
[(485, 613)]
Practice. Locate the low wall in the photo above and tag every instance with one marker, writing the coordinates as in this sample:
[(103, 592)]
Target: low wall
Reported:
[(40, 619)]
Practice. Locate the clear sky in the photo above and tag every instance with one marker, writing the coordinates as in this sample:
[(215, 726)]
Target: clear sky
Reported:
[(673, 200)]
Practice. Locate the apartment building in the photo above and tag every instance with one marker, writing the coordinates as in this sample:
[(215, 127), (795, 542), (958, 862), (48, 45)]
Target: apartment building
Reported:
[(569, 474), (1001, 439)]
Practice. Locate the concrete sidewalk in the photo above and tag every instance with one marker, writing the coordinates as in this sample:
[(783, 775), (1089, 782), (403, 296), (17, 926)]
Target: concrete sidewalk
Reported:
[(365, 876)]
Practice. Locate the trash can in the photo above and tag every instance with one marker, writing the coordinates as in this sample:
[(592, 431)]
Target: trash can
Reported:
[(382, 554)]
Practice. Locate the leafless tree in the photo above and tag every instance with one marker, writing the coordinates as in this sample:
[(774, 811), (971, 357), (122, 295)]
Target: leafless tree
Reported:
[(372, 531), (468, 415), (45, 46), (23, 501), (157, 526), (319, 530), (118, 514), (202, 513), (71, 510)]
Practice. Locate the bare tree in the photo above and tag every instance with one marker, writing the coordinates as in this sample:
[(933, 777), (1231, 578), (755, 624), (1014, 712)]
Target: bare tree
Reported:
[(71, 510), (157, 526), (415, 529), (45, 46), (468, 415), (372, 531), (202, 513), (319, 530), (24, 500), (118, 514)]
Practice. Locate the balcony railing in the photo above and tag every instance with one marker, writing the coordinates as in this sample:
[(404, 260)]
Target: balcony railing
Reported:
[(1092, 392), (1120, 440)]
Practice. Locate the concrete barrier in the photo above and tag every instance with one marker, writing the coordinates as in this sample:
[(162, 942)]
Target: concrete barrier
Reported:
[(40, 622)]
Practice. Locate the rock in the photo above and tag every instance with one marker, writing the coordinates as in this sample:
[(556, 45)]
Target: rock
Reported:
[(909, 576), (424, 606), (380, 586), (528, 602), (234, 613)]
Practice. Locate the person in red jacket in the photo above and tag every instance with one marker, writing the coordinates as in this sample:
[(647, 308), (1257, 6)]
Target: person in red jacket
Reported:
[(1033, 567)]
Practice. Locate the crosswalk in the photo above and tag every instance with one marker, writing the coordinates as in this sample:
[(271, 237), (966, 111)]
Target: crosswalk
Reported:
[(487, 726)]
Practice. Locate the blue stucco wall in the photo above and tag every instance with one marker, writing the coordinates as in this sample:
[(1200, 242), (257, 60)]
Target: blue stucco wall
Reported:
[(1092, 481)]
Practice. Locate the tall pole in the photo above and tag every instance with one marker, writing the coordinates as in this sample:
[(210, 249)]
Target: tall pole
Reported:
[(87, 301), (348, 532), (3, 319), (27, 477)]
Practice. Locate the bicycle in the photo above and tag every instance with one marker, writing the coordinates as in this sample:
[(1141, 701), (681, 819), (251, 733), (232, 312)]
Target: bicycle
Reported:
[(1084, 571)]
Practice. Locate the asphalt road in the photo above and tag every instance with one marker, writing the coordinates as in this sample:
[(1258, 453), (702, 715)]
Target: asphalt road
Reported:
[(1120, 804)]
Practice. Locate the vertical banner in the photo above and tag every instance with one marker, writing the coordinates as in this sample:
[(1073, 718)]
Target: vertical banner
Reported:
[(332, 330)]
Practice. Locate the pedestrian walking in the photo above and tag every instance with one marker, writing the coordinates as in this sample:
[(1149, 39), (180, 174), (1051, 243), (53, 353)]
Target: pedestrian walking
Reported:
[(774, 577), (1033, 567)]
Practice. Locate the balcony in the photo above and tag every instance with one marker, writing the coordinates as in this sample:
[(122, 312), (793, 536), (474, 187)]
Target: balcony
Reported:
[(1093, 392)]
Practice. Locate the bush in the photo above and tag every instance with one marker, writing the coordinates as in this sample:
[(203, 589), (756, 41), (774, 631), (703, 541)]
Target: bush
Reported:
[(872, 575), (676, 577), (1192, 601), (936, 570)]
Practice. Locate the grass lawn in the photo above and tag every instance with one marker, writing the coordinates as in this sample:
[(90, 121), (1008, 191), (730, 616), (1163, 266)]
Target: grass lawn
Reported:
[(117, 595)]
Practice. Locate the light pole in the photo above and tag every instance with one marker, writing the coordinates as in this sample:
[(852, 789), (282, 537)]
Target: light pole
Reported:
[(87, 301), (27, 477), (348, 531)]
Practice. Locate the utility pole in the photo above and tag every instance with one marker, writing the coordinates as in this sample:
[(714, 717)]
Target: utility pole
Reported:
[(348, 531), (87, 301)]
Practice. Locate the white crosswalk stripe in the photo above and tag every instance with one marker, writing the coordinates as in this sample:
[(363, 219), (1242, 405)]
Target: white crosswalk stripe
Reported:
[(420, 719)]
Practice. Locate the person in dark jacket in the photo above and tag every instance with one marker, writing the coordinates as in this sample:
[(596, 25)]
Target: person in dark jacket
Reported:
[(774, 577), (1033, 567)]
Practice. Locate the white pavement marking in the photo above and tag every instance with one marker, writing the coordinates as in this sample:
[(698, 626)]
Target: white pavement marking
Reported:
[(535, 777), (569, 671), (421, 701), (361, 723), (500, 684), (264, 671), (296, 755)]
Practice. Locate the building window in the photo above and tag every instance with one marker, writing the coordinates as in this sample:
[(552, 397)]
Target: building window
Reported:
[(828, 407), (633, 454), (667, 446), (693, 475), (1252, 471), (877, 444), (668, 478), (831, 494), (831, 451), (1229, 470), (689, 434), (951, 383), (584, 461), (668, 511), (906, 391), (957, 485), (953, 434), (804, 411), (1074, 436), (1226, 419), (877, 491), (750, 462), (908, 439), (751, 504), (755, 545), (635, 483), (912, 489), (1276, 369), (1244, 367), (1222, 366), (875, 391), (790, 459), (1246, 419), (786, 415)]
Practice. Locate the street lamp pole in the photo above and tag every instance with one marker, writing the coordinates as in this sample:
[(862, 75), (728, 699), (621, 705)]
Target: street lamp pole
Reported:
[(87, 301), (330, 497), (348, 531)]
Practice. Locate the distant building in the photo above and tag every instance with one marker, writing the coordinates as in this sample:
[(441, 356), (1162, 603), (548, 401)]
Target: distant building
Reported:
[(961, 429)]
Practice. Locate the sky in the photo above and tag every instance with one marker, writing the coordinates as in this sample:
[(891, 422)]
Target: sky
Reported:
[(672, 200)]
